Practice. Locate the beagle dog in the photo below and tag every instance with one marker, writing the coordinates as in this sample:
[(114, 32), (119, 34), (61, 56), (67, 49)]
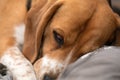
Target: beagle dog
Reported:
[(58, 32), (13, 64)]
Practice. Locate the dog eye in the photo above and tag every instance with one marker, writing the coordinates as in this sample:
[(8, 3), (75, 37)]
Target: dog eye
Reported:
[(58, 38)]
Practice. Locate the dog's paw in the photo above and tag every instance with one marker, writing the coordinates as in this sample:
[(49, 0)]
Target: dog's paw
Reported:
[(3, 70), (5, 73)]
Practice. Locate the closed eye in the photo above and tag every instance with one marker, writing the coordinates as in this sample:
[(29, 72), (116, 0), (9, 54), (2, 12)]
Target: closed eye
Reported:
[(58, 38)]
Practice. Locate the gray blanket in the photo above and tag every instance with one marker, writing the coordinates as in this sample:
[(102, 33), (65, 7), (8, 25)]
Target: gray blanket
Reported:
[(102, 64)]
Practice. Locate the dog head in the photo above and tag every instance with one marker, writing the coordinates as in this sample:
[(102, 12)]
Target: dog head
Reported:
[(57, 29)]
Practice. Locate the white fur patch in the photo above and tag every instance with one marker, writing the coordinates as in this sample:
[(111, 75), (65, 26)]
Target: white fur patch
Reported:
[(49, 66), (20, 67), (19, 34)]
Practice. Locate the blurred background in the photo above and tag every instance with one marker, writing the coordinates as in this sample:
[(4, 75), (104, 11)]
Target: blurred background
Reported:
[(116, 6), (116, 3)]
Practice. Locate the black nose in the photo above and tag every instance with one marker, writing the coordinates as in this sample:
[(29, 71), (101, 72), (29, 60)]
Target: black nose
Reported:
[(47, 77)]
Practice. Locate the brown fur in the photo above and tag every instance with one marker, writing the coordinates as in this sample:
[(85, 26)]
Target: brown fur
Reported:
[(12, 13), (91, 26), (85, 25)]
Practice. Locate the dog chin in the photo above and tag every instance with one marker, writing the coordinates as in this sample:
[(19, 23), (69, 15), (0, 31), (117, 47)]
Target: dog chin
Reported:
[(47, 68)]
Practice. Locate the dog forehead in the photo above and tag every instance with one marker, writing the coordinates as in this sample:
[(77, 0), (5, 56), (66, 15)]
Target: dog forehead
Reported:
[(71, 15)]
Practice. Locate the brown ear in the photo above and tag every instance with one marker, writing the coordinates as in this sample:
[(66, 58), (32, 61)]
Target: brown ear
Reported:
[(37, 20), (98, 30)]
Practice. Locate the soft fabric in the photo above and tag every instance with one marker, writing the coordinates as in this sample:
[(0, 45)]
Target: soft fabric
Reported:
[(102, 64)]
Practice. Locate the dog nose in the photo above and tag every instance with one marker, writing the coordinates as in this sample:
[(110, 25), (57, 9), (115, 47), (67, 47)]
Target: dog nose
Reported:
[(48, 77)]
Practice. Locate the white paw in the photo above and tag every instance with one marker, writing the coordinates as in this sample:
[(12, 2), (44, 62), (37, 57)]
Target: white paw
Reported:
[(5, 74)]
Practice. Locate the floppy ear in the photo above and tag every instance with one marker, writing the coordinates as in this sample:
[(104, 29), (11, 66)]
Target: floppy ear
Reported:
[(98, 30), (37, 20)]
